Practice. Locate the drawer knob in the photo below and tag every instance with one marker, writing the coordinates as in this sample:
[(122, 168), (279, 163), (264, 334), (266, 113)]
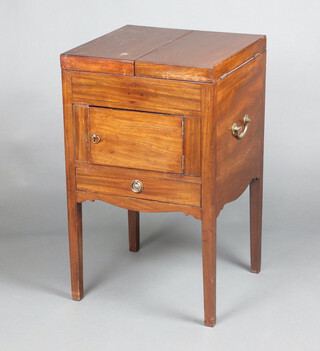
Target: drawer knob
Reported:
[(136, 186), (236, 131), (95, 139)]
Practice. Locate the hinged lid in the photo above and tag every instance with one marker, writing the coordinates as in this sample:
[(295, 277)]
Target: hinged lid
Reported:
[(165, 53)]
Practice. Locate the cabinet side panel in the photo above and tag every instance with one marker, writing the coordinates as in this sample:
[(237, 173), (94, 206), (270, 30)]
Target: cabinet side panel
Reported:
[(240, 160)]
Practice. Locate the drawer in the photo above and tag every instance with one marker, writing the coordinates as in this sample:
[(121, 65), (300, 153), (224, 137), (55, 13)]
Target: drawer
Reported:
[(139, 140), (136, 93), (135, 184)]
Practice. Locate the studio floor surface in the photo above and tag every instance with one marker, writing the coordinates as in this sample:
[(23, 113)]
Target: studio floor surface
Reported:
[(152, 300)]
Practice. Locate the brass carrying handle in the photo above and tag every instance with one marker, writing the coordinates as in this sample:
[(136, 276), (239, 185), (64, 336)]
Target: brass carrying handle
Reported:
[(95, 138), (236, 131)]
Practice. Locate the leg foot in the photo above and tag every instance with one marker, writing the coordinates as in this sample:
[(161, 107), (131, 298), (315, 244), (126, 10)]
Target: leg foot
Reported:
[(210, 323)]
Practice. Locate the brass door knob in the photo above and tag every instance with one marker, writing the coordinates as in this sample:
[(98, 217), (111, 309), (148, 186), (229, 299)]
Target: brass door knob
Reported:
[(136, 186), (95, 138), (236, 131)]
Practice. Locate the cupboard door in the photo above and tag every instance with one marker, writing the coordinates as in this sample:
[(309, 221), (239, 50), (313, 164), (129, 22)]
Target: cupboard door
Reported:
[(136, 140)]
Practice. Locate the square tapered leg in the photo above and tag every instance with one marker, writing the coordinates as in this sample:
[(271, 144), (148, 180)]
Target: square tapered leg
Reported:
[(255, 224), (134, 230)]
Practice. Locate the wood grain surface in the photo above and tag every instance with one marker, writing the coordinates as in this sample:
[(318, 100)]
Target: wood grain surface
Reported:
[(74, 208), (116, 52), (119, 183), (90, 64), (192, 147), (164, 53), (140, 205), (134, 93), (209, 203), (136, 173), (81, 132), (163, 103), (200, 56), (137, 140), (240, 161)]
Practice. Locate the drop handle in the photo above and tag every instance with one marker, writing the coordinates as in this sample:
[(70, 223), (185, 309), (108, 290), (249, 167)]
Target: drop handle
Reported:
[(95, 139), (236, 130)]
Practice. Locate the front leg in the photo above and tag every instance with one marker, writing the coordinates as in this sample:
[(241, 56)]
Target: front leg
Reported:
[(75, 246)]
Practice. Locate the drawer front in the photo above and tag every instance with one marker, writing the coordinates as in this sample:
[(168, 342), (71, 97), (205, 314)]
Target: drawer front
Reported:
[(130, 183), (136, 140), (135, 93)]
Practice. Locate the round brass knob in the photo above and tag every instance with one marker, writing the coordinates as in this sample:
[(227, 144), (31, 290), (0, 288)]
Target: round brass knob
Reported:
[(136, 186), (95, 139)]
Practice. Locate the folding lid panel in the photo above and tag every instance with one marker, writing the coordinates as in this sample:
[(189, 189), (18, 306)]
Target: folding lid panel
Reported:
[(200, 56), (165, 53), (116, 52)]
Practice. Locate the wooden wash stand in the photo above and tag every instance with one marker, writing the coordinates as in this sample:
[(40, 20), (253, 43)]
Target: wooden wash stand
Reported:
[(165, 120)]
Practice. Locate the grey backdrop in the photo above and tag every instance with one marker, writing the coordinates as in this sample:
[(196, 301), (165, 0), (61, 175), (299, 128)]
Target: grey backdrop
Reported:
[(153, 300)]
